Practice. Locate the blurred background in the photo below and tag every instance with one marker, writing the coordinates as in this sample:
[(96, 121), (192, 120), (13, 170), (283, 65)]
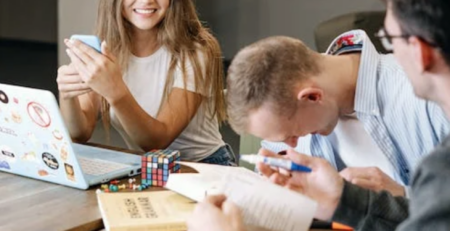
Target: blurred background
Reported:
[(32, 31)]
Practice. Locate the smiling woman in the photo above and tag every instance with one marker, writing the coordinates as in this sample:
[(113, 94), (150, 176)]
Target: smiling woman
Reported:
[(158, 80)]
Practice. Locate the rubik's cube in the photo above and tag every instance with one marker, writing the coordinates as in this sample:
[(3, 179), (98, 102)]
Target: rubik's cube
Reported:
[(156, 166)]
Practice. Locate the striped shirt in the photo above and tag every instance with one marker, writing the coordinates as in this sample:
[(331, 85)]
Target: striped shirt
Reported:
[(404, 127)]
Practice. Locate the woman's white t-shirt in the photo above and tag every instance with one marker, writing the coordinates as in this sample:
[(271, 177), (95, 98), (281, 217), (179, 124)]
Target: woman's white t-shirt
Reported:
[(146, 78)]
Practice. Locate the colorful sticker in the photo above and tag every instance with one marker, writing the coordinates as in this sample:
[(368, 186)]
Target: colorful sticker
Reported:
[(3, 97), (15, 100), (4, 165), (7, 131), (70, 172), (16, 117), (7, 154), (50, 161), (57, 134), (29, 156), (54, 145), (42, 172), (6, 157), (39, 114), (33, 138), (63, 152)]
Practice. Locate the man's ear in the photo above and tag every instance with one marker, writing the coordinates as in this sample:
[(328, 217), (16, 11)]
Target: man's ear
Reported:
[(422, 53), (310, 94)]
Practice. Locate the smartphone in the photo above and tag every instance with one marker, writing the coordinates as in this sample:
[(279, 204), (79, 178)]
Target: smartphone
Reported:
[(90, 40)]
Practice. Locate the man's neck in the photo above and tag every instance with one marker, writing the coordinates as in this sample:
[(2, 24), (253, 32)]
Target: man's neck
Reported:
[(341, 73)]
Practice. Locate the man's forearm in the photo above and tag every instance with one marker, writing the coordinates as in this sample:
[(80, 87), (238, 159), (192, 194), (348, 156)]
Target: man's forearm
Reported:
[(364, 209)]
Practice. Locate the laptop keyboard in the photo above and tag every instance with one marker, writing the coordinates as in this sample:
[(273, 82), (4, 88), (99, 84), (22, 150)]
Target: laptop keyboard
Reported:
[(98, 167)]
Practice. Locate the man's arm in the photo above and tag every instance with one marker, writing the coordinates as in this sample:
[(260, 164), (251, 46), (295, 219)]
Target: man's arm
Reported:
[(374, 179), (430, 197), (364, 209), (339, 200)]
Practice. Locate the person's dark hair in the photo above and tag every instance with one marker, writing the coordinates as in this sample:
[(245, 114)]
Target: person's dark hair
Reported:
[(427, 19)]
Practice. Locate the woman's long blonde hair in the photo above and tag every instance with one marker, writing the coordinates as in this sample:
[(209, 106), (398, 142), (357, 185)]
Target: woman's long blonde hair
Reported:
[(182, 33)]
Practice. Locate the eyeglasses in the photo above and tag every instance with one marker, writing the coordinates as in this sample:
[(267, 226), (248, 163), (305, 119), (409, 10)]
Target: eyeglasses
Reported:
[(386, 39)]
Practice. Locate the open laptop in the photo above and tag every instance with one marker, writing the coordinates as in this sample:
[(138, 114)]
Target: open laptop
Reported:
[(34, 142)]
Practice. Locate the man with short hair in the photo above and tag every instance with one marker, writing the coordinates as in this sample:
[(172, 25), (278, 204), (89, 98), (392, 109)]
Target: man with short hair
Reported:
[(419, 32), (353, 107)]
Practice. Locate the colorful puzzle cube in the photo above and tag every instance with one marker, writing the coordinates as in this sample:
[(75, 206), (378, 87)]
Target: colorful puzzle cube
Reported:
[(156, 166)]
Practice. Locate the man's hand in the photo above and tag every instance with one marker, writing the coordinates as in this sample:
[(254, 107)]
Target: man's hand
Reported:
[(216, 213), (372, 178), (323, 184)]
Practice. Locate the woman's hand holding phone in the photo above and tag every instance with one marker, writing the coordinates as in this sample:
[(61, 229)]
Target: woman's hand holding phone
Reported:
[(100, 71), (70, 83)]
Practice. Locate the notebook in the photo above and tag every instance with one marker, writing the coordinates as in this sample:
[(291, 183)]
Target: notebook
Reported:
[(158, 211)]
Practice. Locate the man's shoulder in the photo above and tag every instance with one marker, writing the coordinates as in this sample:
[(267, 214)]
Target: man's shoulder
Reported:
[(392, 78), (434, 166), (438, 160), (389, 66)]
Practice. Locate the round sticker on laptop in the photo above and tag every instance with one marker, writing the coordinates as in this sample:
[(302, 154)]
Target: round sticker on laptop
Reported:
[(3, 97), (39, 114), (50, 161), (63, 152), (15, 116), (42, 172), (57, 134)]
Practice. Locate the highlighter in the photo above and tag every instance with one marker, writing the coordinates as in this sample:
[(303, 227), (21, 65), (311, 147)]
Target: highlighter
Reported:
[(275, 162)]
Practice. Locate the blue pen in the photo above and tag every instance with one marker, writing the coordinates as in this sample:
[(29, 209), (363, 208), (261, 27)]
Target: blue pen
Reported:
[(275, 162)]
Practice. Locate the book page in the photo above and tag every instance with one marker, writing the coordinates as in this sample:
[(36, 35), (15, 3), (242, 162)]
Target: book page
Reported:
[(265, 206), (217, 172), (268, 206), (193, 185)]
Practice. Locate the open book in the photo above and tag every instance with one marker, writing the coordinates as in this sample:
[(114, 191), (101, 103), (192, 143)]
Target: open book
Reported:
[(158, 211), (265, 206)]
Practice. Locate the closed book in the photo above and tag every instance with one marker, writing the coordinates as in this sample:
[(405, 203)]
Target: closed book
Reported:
[(148, 211)]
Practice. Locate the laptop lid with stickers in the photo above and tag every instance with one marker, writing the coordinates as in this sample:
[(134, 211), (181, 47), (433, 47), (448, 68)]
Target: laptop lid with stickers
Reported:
[(34, 141)]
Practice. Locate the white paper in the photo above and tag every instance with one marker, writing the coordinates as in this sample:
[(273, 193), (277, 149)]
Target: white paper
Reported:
[(269, 206), (264, 205), (192, 185)]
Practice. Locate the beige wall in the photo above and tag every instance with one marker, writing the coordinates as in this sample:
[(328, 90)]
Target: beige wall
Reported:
[(29, 20), (235, 22), (74, 17)]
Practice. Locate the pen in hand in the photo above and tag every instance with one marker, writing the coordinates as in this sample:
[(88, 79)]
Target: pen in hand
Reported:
[(275, 162)]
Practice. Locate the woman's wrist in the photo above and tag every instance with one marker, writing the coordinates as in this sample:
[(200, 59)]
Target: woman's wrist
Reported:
[(119, 97)]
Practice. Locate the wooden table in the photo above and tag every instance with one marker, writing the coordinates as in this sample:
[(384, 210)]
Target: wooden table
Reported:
[(28, 204)]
